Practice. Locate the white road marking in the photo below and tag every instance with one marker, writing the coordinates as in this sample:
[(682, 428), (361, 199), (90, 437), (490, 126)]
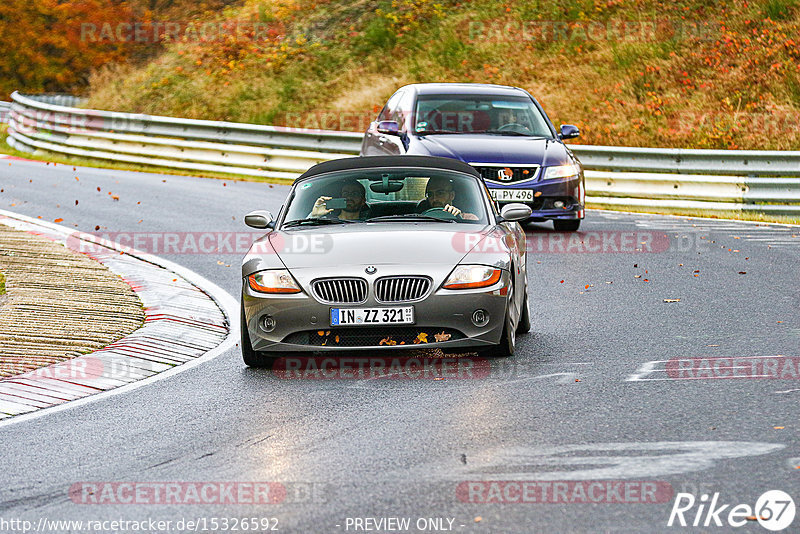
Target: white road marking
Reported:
[(652, 368)]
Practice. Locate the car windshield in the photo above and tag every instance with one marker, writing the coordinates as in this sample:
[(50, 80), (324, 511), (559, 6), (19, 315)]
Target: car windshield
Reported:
[(386, 195), (498, 115)]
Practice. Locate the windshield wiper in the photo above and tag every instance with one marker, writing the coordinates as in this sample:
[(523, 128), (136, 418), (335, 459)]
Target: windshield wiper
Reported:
[(313, 221), (438, 132), (407, 217), (509, 132)]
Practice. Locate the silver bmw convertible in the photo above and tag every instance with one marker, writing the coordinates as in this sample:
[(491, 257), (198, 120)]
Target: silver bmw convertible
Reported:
[(382, 254)]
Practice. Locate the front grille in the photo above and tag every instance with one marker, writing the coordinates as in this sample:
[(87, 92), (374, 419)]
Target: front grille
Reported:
[(519, 173), (401, 288), (341, 290), (375, 336)]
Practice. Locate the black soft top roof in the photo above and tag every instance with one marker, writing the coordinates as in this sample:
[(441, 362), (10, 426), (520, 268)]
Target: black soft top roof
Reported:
[(368, 162)]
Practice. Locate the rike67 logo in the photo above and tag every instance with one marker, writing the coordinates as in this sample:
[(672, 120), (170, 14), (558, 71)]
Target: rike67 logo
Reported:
[(774, 510)]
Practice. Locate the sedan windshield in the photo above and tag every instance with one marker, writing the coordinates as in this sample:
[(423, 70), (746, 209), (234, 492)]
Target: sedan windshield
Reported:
[(389, 196), (486, 114)]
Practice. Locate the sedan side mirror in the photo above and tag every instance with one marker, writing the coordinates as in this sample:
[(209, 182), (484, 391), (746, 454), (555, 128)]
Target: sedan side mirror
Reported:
[(568, 131), (389, 128), (259, 219), (515, 212)]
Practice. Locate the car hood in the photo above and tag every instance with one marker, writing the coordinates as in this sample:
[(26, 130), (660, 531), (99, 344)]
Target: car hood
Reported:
[(376, 244), (488, 148)]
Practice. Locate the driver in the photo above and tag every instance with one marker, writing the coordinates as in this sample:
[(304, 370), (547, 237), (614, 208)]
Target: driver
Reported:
[(355, 209), (440, 194)]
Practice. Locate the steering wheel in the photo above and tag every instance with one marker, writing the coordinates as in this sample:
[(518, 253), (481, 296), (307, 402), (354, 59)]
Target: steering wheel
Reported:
[(514, 126), (440, 213)]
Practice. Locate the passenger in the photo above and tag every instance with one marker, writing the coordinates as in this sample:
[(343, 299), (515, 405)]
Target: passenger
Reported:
[(356, 208), (440, 193)]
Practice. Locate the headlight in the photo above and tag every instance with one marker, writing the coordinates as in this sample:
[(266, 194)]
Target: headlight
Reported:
[(472, 276), (561, 171), (277, 281)]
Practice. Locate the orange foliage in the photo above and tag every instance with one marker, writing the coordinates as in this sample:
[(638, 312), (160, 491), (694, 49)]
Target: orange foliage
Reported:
[(45, 47)]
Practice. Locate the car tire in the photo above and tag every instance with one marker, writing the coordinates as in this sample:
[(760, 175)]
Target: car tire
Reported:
[(507, 345), (524, 325), (252, 358), (567, 226)]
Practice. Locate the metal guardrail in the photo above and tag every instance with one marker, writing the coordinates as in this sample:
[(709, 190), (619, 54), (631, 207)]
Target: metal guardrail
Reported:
[(615, 176)]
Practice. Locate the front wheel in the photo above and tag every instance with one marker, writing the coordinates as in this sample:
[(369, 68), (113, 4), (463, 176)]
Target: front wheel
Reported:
[(252, 358), (524, 325), (567, 226), (507, 345)]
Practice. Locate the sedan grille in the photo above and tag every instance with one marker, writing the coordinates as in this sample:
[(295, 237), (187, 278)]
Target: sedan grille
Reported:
[(491, 173), (401, 288), (341, 290)]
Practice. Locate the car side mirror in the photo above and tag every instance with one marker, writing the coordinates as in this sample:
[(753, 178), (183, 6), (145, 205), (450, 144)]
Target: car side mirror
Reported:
[(568, 131), (389, 128), (259, 219), (515, 212)]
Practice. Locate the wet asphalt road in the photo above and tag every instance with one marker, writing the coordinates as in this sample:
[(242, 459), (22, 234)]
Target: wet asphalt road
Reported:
[(590, 396)]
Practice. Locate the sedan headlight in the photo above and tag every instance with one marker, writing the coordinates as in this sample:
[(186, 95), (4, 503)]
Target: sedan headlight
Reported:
[(277, 281), (561, 171), (472, 276)]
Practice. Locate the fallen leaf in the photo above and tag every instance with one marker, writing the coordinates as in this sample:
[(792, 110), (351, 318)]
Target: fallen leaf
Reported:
[(98, 188), (742, 272), (586, 286), (76, 202), (577, 380), (537, 194), (712, 345), (778, 427), (97, 227), (478, 519), (637, 275), (646, 280), (672, 300), (59, 220), (115, 197), (635, 265), (561, 282), (441, 336)]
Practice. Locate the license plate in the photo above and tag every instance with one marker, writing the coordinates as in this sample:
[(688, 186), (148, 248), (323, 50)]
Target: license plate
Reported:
[(512, 195), (365, 316)]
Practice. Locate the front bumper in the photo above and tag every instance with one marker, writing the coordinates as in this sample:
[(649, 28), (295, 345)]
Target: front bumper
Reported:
[(302, 323), (569, 191)]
